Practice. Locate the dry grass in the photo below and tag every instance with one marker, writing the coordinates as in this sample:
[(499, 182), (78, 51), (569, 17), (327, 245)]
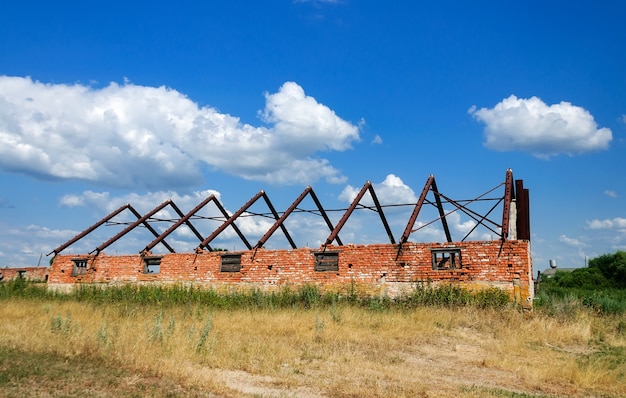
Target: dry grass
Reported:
[(339, 351)]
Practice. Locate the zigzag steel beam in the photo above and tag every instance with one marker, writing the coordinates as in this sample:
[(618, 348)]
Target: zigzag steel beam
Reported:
[(416, 211), (226, 216), (89, 230), (442, 214), (347, 214), (231, 220), (282, 226), (154, 232), (131, 226), (382, 215), (282, 218), (183, 219), (324, 215)]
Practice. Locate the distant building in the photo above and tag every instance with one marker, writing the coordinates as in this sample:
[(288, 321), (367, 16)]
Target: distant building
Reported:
[(550, 272), (35, 274)]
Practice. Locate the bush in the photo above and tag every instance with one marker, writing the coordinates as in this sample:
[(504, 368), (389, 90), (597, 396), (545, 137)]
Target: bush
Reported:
[(584, 278), (455, 296), (612, 266)]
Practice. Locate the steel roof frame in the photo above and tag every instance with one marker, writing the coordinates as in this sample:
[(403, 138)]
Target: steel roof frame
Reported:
[(503, 229)]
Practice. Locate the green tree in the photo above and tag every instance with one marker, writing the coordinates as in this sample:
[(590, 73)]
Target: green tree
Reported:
[(612, 266), (585, 278)]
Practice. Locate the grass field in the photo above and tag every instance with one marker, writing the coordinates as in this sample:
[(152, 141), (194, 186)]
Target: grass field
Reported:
[(177, 342)]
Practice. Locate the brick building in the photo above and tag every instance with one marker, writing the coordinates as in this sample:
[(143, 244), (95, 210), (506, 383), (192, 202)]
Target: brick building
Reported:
[(373, 269), (35, 274)]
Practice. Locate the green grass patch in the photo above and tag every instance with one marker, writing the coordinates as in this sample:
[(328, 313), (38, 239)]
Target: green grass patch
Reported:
[(499, 393), (306, 296), (46, 374), (563, 301)]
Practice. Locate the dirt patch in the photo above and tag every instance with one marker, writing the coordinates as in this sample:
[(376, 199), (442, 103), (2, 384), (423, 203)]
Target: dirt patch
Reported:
[(255, 385)]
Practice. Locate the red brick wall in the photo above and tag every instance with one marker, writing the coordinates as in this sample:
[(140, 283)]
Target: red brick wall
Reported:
[(373, 269), (39, 274)]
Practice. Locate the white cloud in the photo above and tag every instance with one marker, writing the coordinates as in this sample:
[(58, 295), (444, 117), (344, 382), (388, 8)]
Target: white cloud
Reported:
[(571, 241), (391, 191), (27, 245), (617, 222), (137, 136), (377, 140), (103, 202), (518, 124), (611, 194), (462, 227), (304, 124)]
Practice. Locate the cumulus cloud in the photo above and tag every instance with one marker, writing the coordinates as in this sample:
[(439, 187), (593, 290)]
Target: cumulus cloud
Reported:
[(23, 245), (611, 194), (617, 222), (137, 136), (103, 203), (391, 191), (571, 241), (377, 140), (463, 227), (530, 125)]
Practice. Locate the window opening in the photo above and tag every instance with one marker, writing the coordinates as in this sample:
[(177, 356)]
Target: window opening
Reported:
[(152, 265), (446, 259), (231, 263), (327, 261), (80, 266)]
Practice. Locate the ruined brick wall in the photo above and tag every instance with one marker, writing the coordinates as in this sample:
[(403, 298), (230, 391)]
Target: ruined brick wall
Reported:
[(372, 269), (36, 274)]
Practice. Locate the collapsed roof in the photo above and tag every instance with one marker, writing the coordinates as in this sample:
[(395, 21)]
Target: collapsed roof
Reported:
[(512, 223)]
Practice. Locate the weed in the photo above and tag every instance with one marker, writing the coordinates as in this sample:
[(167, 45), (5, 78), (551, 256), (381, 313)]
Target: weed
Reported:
[(156, 332), (204, 335), (104, 336), (309, 296), (335, 314), (171, 325), (621, 327), (58, 324), (319, 328)]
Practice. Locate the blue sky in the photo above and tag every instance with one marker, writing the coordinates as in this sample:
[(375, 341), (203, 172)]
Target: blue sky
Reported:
[(106, 103)]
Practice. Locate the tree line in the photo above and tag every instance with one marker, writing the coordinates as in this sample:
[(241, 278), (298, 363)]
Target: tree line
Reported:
[(605, 271)]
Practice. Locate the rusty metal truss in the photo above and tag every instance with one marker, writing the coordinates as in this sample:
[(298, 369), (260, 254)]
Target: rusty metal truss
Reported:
[(512, 223)]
